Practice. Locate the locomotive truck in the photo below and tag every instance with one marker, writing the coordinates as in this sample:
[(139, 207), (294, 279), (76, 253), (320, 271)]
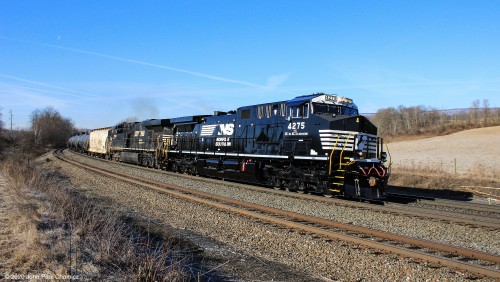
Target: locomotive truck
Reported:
[(310, 144)]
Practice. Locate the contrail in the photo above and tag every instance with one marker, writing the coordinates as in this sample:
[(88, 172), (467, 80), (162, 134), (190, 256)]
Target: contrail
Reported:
[(212, 77), (50, 85), (40, 90)]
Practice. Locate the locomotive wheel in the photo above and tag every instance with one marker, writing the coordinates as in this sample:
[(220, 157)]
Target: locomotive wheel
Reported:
[(278, 184), (192, 170), (173, 167), (182, 169), (302, 188), (328, 195), (293, 185)]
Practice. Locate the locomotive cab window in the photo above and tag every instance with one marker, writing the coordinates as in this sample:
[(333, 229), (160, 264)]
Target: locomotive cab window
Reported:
[(319, 108)]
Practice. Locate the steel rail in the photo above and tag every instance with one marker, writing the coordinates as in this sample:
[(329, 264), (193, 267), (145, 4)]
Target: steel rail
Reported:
[(457, 217), (188, 194)]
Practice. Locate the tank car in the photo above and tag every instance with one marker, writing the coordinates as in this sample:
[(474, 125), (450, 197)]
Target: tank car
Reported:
[(72, 142), (83, 143), (79, 142)]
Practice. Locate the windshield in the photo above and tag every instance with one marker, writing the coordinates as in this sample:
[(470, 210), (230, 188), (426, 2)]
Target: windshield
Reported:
[(334, 109)]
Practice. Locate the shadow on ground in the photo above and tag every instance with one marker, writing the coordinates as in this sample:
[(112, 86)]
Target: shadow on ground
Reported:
[(402, 194)]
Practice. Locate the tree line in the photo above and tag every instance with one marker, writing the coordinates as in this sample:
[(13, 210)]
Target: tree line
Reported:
[(48, 130), (418, 120)]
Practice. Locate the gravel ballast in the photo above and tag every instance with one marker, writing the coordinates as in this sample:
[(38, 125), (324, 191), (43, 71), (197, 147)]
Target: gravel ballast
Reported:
[(312, 257)]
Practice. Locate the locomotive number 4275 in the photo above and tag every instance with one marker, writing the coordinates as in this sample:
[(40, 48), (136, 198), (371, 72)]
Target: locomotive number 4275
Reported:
[(297, 125)]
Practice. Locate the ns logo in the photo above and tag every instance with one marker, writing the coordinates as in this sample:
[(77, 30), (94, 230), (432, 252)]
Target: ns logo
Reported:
[(222, 129), (226, 129)]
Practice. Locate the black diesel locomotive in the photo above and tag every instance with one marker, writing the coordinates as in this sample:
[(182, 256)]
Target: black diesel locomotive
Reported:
[(316, 143)]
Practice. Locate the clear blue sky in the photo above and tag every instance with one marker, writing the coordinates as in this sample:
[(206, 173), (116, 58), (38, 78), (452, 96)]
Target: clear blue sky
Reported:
[(100, 62)]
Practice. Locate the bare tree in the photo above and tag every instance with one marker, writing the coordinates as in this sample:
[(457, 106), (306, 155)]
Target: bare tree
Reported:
[(386, 119), (486, 111), (50, 129), (474, 112)]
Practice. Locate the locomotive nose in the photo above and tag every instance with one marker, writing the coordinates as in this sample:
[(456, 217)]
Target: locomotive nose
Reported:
[(354, 123)]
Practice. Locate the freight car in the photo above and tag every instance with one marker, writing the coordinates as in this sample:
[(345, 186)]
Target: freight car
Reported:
[(79, 143), (315, 143), (98, 142)]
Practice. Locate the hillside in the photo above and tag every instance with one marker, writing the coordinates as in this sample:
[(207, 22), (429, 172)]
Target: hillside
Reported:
[(459, 166), (475, 151)]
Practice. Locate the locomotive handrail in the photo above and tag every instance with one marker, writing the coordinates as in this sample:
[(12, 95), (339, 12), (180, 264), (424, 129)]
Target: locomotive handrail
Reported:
[(168, 142), (331, 154), (343, 148)]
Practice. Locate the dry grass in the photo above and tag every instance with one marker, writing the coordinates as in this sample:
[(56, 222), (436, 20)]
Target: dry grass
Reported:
[(62, 232), (21, 248), (435, 180)]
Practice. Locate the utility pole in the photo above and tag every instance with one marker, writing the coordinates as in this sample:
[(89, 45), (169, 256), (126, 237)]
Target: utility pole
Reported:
[(10, 120)]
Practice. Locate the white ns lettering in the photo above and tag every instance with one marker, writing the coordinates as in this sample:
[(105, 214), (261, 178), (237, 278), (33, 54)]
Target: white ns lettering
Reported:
[(226, 129)]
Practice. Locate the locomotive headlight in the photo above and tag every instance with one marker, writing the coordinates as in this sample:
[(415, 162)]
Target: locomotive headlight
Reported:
[(383, 156)]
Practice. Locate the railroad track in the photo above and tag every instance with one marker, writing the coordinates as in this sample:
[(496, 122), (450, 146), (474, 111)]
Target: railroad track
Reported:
[(480, 263), (481, 221)]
